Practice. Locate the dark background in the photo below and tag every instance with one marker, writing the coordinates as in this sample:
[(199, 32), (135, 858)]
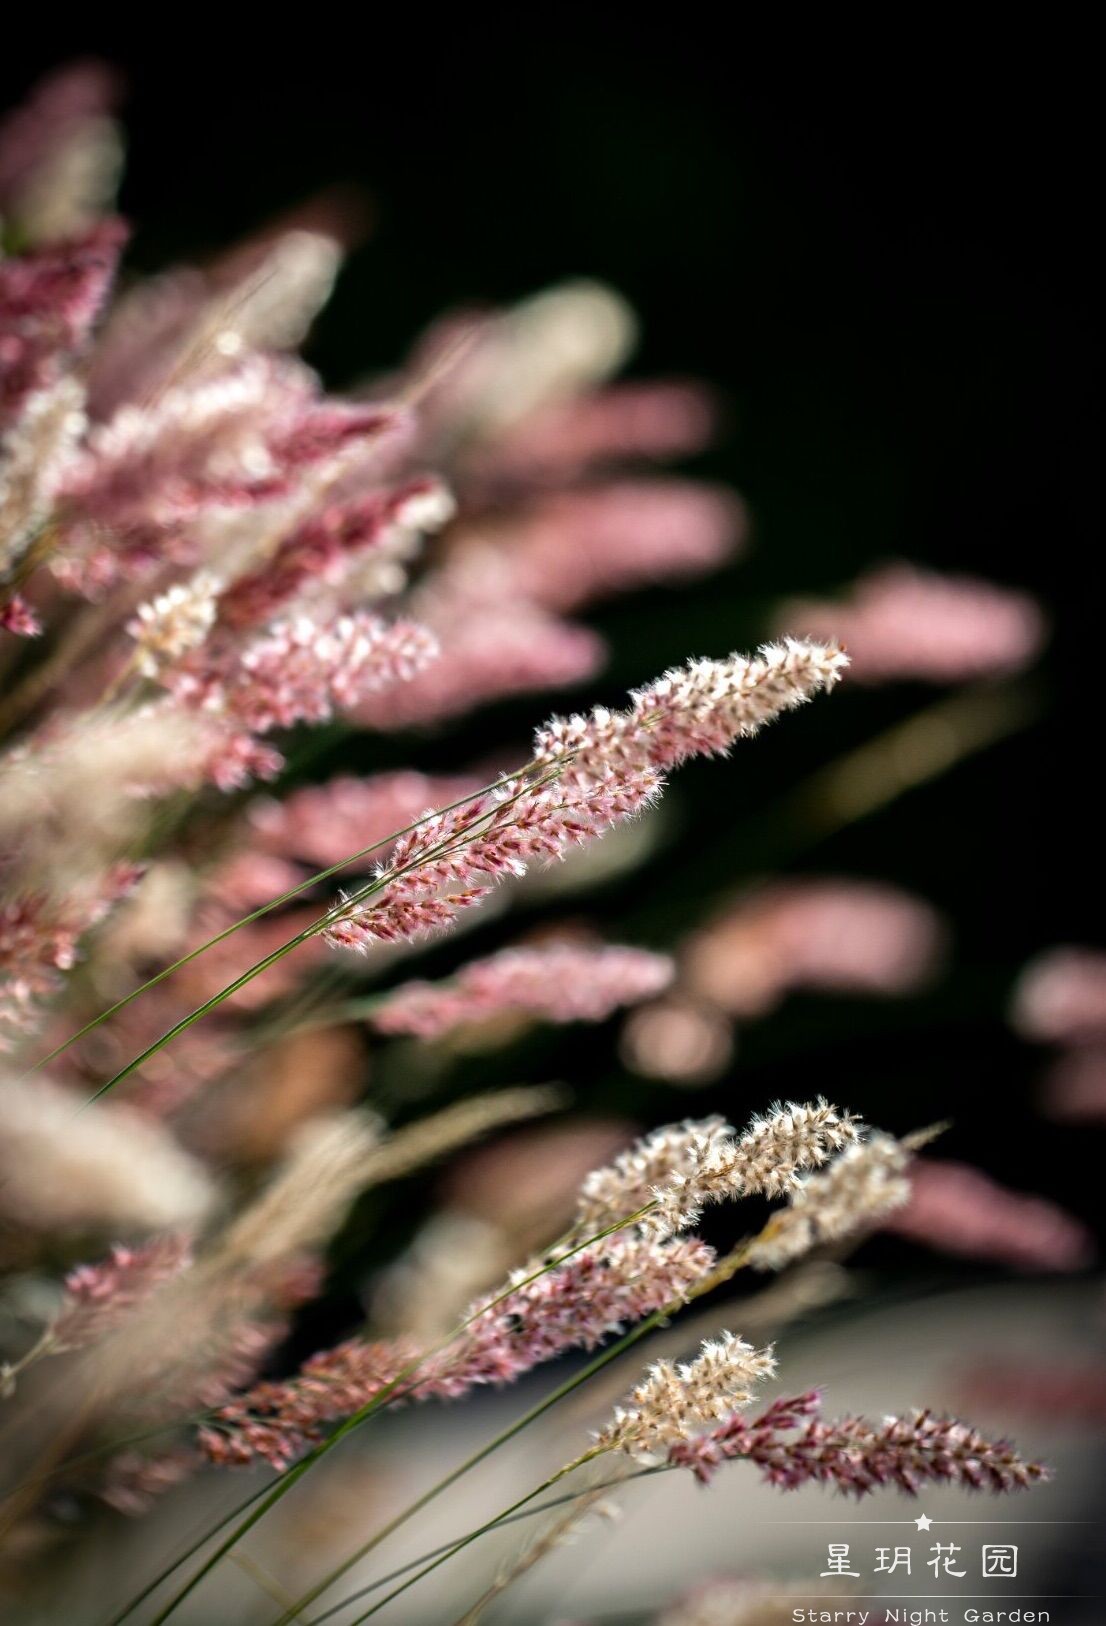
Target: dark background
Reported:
[(881, 253)]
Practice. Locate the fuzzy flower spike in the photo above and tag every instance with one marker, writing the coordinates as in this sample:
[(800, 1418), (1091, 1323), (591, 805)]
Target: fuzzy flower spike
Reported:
[(792, 1446), (677, 1171), (587, 774), (673, 1400)]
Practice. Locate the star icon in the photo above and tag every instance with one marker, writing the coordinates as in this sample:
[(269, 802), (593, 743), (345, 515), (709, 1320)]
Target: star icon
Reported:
[(923, 1522)]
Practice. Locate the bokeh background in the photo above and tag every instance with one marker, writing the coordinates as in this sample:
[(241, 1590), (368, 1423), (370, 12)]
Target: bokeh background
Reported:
[(882, 260)]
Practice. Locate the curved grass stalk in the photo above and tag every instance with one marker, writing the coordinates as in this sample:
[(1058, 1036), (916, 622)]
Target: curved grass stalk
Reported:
[(387, 1393), (454, 843), (485, 1451), (189, 1552), (935, 739), (501, 1522), (722, 1272), (257, 914), (474, 1535)]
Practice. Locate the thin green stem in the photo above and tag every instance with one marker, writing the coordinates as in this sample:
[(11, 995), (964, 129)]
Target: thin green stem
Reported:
[(199, 1013), (474, 1535), (501, 1522), (385, 1394), (257, 914), (722, 1272), (189, 1552), (539, 1410), (455, 842)]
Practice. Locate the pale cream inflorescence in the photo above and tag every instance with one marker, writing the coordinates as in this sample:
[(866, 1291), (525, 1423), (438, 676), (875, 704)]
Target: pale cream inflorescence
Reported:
[(867, 1182), (168, 626), (675, 1399), (326, 1166), (110, 1172), (678, 1170)]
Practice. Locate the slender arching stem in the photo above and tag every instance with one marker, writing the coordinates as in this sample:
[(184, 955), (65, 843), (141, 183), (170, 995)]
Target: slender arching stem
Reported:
[(386, 1393), (500, 1523), (444, 849), (721, 1272), (257, 914), (189, 1552), (481, 1530)]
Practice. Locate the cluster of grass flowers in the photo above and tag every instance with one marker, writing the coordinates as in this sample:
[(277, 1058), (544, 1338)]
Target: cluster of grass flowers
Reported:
[(203, 555)]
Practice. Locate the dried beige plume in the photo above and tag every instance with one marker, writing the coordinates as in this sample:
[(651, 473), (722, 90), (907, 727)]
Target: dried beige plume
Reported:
[(674, 1399), (77, 798), (680, 1169), (34, 456), (549, 347), (329, 1162), (431, 1138), (555, 1533), (866, 1182), (112, 1171), (455, 1256)]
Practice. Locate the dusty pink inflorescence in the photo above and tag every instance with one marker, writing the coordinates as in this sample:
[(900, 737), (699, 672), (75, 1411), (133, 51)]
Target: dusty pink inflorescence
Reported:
[(587, 773), (584, 544), (325, 549), (1069, 1395), (959, 1209), (98, 1297), (700, 709), (904, 622), (40, 937), (1060, 999), (575, 1305), (176, 464), (17, 617), (451, 860), (302, 670), (49, 302), (1074, 1089), (156, 485), (793, 1447), (566, 439), (561, 982)]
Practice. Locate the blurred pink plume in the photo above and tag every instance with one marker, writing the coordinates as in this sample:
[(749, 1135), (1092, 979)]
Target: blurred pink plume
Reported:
[(833, 934), (958, 1209), (904, 622)]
